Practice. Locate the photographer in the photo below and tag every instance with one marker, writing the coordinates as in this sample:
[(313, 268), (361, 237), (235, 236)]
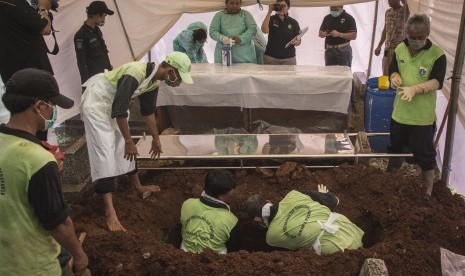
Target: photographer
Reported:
[(21, 30), (281, 28)]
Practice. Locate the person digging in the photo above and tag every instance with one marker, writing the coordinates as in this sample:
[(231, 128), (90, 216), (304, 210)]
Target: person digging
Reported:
[(305, 220)]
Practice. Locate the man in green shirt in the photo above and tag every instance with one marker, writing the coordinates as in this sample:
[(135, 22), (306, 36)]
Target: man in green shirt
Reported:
[(34, 219), (306, 220), (207, 222), (105, 112), (417, 70)]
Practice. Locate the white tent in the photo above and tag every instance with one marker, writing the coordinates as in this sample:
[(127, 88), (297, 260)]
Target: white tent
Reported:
[(143, 25)]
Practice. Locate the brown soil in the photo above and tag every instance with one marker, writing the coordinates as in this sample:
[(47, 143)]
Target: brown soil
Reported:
[(402, 225)]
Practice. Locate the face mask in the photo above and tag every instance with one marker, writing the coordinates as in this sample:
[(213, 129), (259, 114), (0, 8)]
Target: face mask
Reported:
[(173, 83), (51, 122), (200, 43), (335, 13), (416, 44)]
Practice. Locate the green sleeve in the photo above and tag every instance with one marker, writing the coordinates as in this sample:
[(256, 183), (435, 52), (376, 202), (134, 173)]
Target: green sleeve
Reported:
[(215, 27), (251, 30)]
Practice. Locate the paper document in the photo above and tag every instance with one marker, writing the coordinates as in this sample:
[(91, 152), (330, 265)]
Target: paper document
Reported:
[(299, 36)]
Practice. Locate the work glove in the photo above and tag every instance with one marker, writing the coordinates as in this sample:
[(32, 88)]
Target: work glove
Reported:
[(396, 80), (322, 189), (225, 40), (409, 92)]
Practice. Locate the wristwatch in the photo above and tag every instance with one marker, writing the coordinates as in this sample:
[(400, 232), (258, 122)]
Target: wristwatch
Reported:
[(340, 34)]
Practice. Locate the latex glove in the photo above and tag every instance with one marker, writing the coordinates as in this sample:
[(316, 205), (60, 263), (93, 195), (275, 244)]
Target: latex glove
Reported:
[(322, 189), (225, 40), (427, 86), (396, 80), (407, 92)]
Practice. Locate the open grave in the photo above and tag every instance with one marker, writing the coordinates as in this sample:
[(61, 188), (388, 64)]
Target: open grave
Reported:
[(402, 225)]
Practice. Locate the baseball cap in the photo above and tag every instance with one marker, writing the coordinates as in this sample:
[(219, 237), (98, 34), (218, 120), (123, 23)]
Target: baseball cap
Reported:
[(99, 7), (181, 62), (33, 83)]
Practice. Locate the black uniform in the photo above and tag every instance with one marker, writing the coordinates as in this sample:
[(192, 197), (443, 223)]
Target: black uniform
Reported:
[(91, 52), (281, 32), (344, 23), (22, 45)]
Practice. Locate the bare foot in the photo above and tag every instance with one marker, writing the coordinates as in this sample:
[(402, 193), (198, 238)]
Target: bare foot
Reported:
[(113, 223)]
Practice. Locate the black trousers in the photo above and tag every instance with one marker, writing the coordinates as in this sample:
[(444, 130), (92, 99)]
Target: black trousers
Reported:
[(417, 140), (108, 184)]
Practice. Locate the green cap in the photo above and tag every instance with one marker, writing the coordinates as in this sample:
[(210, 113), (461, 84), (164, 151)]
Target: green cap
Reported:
[(181, 62)]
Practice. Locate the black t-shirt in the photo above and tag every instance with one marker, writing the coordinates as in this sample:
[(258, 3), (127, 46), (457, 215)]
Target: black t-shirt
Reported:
[(91, 52), (344, 23), (281, 32), (22, 45), (44, 192)]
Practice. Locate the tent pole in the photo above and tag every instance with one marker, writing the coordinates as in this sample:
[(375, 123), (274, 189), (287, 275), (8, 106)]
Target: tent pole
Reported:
[(454, 96), (124, 30), (373, 34)]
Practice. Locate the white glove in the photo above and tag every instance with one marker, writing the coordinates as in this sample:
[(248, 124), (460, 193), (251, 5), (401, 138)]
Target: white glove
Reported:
[(407, 92), (322, 189), (396, 80), (225, 40)]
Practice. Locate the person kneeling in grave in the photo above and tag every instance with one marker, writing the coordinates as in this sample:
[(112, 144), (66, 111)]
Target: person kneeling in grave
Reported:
[(207, 222), (306, 220)]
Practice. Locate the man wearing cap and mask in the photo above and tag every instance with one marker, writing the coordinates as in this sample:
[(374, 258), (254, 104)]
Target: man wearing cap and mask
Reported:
[(91, 50), (305, 220), (34, 219), (417, 70), (104, 110)]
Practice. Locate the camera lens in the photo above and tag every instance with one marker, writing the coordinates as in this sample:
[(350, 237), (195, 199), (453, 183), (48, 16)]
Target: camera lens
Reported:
[(277, 7)]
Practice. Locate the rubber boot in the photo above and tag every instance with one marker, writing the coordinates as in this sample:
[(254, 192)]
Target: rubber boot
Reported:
[(428, 178), (394, 164)]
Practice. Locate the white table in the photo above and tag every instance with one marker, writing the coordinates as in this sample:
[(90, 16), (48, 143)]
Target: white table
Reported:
[(300, 87)]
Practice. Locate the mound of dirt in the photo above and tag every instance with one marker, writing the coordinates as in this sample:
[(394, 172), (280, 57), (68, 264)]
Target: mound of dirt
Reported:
[(402, 225)]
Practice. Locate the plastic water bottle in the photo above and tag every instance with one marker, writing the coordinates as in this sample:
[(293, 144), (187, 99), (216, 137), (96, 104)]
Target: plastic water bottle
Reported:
[(226, 55)]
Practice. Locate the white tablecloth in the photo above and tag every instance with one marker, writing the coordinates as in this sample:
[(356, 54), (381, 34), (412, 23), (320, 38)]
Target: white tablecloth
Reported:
[(300, 87)]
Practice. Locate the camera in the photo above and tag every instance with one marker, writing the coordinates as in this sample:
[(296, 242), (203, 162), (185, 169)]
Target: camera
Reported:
[(277, 7), (54, 5)]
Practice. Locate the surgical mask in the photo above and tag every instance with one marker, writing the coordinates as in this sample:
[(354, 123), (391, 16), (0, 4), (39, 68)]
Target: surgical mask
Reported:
[(335, 13), (102, 23), (200, 43), (416, 44), (173, 83), (51, 122)]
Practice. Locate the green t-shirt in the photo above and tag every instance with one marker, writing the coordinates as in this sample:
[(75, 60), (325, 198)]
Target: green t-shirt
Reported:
[(204, 226), (421, 110), (296, 226), (26, 248)]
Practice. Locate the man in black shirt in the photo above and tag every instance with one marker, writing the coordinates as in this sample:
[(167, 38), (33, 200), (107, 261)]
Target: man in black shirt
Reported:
[(21, 30), (338, 29), (91, 50)]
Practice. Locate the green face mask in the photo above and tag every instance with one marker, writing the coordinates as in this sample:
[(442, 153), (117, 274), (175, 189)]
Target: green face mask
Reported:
[(51, 122), (335, 13)]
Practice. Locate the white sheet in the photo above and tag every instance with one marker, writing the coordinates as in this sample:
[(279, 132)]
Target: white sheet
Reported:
[(301, 87)]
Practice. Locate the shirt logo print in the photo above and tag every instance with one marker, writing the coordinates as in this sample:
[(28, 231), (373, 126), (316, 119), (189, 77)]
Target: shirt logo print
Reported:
[(289, 27), (422, 71), (342, 20)]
